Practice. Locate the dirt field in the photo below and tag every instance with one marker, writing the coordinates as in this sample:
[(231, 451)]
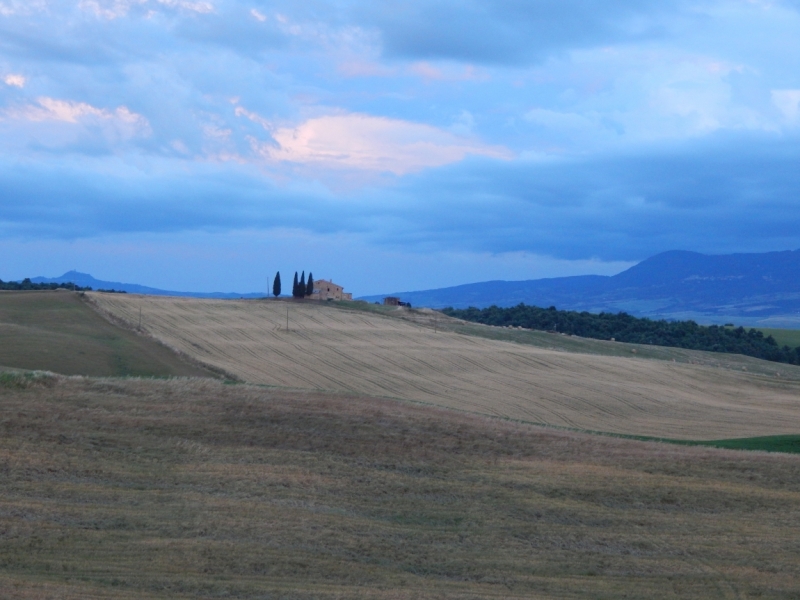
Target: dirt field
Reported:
[(195, 489), (327, 348), (57, 331)]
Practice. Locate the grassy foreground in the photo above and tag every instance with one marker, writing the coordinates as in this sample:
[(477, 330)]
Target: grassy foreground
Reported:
[(57, 331), (193, 488)]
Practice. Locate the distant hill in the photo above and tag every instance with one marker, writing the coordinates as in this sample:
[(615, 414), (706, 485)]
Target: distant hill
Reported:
[(86, 280), (751, 289)]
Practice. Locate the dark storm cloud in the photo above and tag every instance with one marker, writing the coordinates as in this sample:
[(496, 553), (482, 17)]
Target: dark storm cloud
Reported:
[(72, 202), (727, 194)]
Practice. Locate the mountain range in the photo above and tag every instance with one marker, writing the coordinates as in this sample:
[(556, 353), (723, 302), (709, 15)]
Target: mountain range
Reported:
[(749, 289), (86, 280)]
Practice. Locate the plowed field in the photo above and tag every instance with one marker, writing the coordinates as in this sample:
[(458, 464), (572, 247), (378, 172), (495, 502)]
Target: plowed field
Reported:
[(327, 348)]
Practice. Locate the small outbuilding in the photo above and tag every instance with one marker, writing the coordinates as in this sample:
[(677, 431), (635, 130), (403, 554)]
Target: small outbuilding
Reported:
[(394, 301)]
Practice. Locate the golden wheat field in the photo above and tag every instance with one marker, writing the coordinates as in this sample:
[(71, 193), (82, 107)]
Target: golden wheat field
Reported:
[(328, 348)]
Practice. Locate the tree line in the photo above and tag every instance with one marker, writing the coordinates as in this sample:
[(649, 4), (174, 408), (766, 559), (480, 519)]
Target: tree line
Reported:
[(300, 287), (27, 284), (623, 327)]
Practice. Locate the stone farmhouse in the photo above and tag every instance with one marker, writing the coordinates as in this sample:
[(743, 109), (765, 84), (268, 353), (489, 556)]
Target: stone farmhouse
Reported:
[(327, 290)]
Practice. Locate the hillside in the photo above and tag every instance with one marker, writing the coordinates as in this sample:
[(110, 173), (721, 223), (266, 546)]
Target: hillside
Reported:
[(196, 489), (750, 289), (358, 351), (86, 280), (57, 331), (623, 327)]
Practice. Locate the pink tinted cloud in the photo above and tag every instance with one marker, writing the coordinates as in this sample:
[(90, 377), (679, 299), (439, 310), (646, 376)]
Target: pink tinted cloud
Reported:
[(53, 109), (431, 72), (368, 143), (359, 68), (122, 120), (115, 9), (15, 80)]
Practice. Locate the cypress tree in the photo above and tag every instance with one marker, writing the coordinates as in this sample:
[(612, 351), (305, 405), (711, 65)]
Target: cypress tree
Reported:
[(301, 286), (310, 285), (295, 286), (276, 285)]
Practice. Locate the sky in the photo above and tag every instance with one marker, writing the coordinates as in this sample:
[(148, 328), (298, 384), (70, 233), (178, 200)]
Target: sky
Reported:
[(203, 145)]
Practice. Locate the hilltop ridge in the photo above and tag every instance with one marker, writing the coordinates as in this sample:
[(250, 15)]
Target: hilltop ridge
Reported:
[(86, 280), (752, 289)]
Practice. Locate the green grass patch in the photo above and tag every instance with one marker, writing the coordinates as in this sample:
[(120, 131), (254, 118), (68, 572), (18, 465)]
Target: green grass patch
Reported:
[(784, 337), (770, 443), (25, 379), (57, 331)]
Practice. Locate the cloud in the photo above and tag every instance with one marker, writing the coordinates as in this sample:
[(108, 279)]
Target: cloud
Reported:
[(431, 72), (115, 9), (59, 126), (89, 196), (788, 103), (248, 32), (363, 68), (124, 122), (651, 125), (559, 120), (364, 142), (15, 80), (9, 8), (730, 193), (68, 111), (509, 31), (733, 193), (66, 35), (240, 111)]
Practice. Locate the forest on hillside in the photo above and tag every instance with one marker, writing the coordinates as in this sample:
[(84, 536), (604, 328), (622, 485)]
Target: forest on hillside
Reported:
[(623, 327), (27, 285)]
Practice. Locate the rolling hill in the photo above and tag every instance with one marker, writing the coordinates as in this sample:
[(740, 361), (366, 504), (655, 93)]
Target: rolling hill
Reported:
[(308, 484), (343, 350), (749, 289), (86, 280), (190, 488)]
